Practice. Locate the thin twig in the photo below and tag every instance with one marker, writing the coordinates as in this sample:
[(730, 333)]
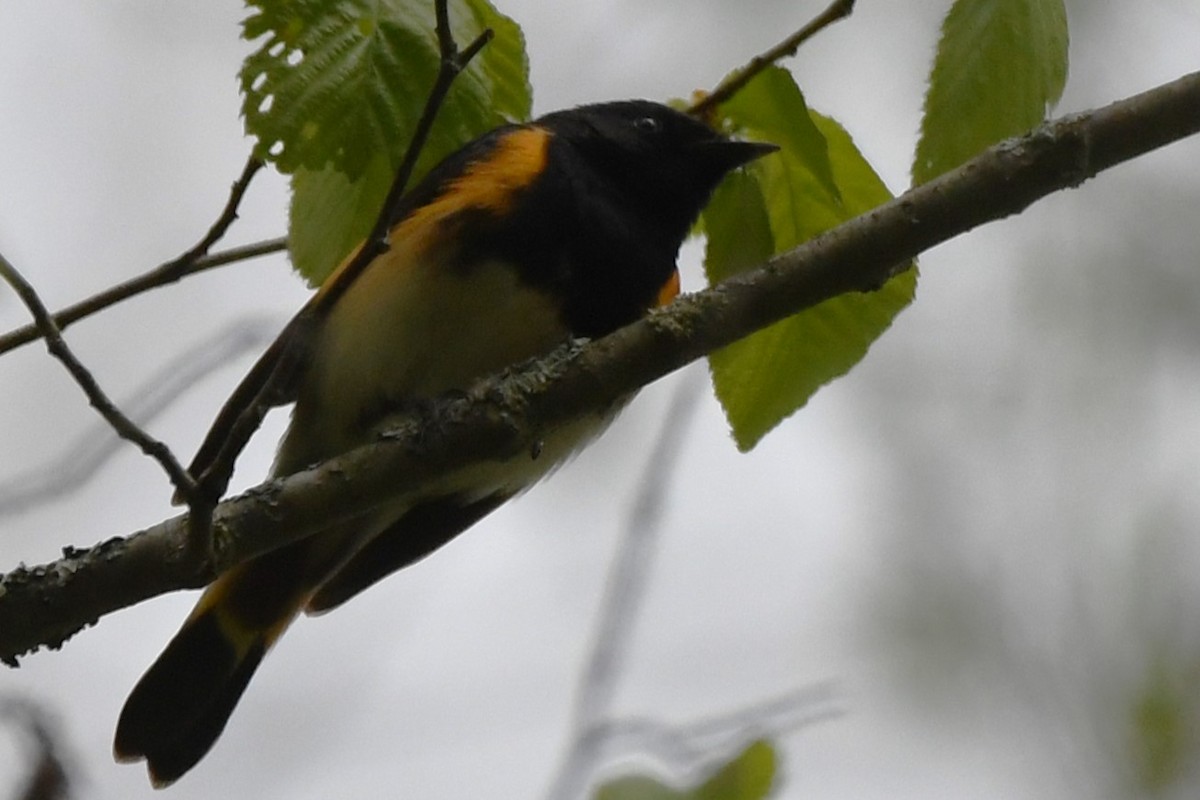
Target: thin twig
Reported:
[(243, 252), (623, 595), (58, 348), (838, 9), (81, 458), (780, 714), (686, 749), (227, 216), (195, 259)]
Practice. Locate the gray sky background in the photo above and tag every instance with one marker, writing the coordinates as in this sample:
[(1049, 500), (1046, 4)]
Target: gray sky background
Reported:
[(984, 537)]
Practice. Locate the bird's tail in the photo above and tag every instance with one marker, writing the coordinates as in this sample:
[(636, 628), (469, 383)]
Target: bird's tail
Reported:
[(181, 705)]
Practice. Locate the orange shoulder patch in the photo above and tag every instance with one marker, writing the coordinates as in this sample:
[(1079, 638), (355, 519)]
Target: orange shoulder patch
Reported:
[(489, 183)]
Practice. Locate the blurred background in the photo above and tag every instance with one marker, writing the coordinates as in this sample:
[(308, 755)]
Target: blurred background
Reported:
[(976, 551)]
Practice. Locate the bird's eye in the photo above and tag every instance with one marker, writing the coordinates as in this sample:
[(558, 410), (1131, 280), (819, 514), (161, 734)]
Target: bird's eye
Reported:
[(647, 124)]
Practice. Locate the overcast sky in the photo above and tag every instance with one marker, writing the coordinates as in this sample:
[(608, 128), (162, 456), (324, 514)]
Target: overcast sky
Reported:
[(981, 539)]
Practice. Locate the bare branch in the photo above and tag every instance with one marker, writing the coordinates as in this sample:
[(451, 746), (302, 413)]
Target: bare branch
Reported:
[(81, 458), (837, 10), (225, 218), (194, 260), (123, 425), (503, 418), (243, 252)]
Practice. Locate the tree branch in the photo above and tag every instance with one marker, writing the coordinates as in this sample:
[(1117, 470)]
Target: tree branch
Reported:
[(194, 260), (837, 10), (505, 417), (123, 425), (82, 457)]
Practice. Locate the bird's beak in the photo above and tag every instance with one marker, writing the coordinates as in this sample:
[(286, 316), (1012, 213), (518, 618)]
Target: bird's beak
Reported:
[(733, 153)]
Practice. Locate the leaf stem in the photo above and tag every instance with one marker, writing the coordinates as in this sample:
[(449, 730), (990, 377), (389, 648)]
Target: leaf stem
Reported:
[(737, 80)]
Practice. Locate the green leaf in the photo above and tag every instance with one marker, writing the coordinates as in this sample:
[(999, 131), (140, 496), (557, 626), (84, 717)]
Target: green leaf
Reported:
[(776, 205), (771, 107), (749, 776), (1162, 733), (637, 787), (335, 93), (330, 215), (332, 84), (1000, 66)]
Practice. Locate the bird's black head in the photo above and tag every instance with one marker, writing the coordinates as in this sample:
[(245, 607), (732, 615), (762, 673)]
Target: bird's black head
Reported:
[(660, 160)]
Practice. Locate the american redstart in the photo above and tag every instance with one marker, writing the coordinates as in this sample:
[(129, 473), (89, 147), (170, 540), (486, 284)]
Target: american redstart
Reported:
[(568, 226)]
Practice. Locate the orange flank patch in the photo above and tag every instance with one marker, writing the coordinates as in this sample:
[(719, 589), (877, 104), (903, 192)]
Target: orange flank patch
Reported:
[(669, 290)]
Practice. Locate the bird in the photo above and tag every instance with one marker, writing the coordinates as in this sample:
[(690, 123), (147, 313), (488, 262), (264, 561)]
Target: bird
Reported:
[(533, 234)]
